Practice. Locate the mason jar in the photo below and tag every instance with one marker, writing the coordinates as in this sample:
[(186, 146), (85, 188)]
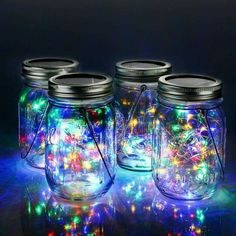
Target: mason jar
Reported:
[(189, 137), (80, 149), (33, 103), (136, 103)]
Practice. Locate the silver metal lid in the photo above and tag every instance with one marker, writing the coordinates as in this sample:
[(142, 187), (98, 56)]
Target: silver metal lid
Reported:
[(189, 87), (142, 70), (80, 86), (37, 71)]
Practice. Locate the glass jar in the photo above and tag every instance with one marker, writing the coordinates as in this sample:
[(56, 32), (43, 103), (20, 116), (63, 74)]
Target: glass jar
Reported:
[(136, 102), (80, 149), (189, 137), (33, 103)]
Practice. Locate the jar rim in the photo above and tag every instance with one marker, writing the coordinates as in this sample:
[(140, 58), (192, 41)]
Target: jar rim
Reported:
[(84, 85), (37, 71), (189, 87), (142, 70)]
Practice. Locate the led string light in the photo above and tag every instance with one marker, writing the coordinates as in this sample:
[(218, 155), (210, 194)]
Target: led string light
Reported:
[(33, 106), (76, 149), (134, 134), (87, 218), (134, 195), (181, 219), (189, 163)]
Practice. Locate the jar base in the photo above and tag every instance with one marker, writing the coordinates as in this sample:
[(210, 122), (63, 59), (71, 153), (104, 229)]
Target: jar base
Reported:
[(59, 193), (133, 168), (171, 196), (37, 165)]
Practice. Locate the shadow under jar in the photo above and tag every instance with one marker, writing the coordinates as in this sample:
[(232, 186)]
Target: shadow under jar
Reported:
[(136, 103), (33, 103), (80, 149), (190, 137)]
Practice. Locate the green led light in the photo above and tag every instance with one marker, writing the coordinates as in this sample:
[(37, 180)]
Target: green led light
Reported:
[(29, 208), (76, 220), (176, 128), (39, 104), (67, 227), (200, 215), (39, 210), (85, 208), (181, 113)]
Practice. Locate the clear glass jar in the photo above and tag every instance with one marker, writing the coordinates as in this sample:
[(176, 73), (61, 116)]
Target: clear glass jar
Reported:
[(136, 102), (189, 137), (33, 103), (80, 149)]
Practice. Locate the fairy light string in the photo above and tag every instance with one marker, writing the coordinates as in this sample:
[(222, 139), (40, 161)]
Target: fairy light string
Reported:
[(143, 87), (36, 106), (189, 151), (79, 160), (135, 131)]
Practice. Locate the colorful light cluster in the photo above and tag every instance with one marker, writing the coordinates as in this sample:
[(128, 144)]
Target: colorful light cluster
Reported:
[(76, 167), (47, 215), (134, 194), (83, 219), (181, 219), (32, 105), (135, 113), (190, 152)]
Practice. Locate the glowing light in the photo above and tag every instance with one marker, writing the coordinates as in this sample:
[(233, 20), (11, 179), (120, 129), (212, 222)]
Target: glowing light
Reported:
[(76, 220), (39, 209), (152, 110), (133, 208), (32, 130), (39, 104), (187, 155), (73, 158), (87, 165)]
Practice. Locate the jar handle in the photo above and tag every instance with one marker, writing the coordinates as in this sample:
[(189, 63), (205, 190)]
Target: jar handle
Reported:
[(95, 141), (205, 112), (143, 87), (36, 133)]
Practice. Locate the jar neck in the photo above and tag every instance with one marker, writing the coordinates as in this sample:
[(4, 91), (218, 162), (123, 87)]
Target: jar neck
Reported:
[(86, 103), (189, 105), (37, 84), (135, 85)]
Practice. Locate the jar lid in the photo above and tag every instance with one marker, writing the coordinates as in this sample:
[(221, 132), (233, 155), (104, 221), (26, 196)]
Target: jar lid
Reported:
[(189, 87), (37, 71), (142, 70), (80, 86)]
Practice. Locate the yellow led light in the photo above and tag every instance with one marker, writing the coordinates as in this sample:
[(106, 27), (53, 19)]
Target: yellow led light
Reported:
[(133, 208), (152, 110), (133, 122), (87, 165), (187, 126), (195, 167)]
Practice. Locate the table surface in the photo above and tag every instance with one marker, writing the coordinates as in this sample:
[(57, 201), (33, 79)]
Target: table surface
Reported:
[(133, 206)]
